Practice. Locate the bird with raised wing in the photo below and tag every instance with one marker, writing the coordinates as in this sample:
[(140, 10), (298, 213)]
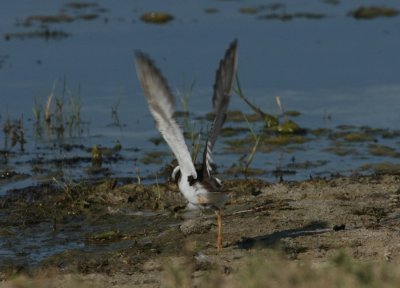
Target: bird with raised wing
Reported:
[(200, 188)]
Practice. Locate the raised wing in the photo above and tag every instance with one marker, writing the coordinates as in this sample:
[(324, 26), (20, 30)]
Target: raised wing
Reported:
[(222, 89), (161, 104)]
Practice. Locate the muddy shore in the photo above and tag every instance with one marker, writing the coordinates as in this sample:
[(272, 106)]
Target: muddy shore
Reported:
[(134, 235)]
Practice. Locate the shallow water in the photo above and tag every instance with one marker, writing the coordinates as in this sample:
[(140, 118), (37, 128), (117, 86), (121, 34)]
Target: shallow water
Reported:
[(335, 70)]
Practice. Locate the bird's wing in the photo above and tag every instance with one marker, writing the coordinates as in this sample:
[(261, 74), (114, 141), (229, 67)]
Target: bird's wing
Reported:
[(161, 104), (222, 89)]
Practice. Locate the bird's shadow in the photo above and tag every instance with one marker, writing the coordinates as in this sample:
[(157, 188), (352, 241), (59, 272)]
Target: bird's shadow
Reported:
[(272, 240)]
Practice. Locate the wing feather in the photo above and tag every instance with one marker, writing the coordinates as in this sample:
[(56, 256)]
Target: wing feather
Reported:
[(222, 89), (161, 104)]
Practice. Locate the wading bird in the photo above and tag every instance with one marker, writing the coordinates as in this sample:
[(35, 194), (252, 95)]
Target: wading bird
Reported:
[(199, 187)]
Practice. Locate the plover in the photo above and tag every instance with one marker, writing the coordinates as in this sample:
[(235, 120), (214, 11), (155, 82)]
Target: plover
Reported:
[(200, 188)]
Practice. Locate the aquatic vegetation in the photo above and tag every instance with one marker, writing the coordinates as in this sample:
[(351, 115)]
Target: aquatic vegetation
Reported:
[(238, 170), (156, 17), (288, 127), (269, 120), (251, 9), (41, 33), (14, 132), (97, 156), (256, 138), (232, 131), (273, 123), (48, 19), (290, 16), (81, 5), (238, 116), (74, 120), (292, 113), (282, 139), (358, 137), (307, 164), (196, 140), (184, 96), (56, 118), (352, 135), (117, 146), (382, 150), (155, 157), (105, 237), (88, 17), (373, 12), (114, 113), (211, 10), (341, 150), (157, 140), (382, 167)]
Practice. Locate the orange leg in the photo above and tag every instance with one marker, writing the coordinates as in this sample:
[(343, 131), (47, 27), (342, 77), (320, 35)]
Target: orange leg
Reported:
[(219, 225)]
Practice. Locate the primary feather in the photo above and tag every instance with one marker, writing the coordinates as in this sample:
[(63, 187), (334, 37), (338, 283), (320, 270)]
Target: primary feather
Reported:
[(222, 88), (161, 104)]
